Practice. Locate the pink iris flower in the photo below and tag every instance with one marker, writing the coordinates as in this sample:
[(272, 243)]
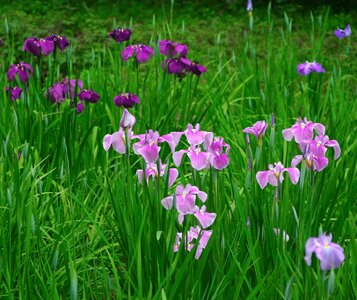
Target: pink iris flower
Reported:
[(331, 255), (307, 67), (303, 130), (206, 219), (151, 170), (219, 159), (194, 135), (258, 129), (311, 159), (274, 175), (199, 159), (319, 144)]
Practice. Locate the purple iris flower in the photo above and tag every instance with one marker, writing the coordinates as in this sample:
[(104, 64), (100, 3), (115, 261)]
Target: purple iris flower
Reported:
[(59, 40), (176, 65), (15, 92), (121, 34), (198, 158), (303, 130), (312, 159), (24, 71), (342, 33), (185, 200), (307, 67), (319, 144), (80, 107), (206, 219), (275, 175), (141, 51), (197, 69), (36, 46), (194, 135), (126, 99), (193, 234), (147, 146), (171, 49), (258, 129), (64, 89), (219, 159), (329, 254), (89, 96), (151, 170)]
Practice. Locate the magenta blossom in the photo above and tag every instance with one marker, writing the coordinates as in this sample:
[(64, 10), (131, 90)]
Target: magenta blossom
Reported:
[(196, 69), (342, 33), (80, 107), (59, 41), (89, 96), (303, 130), (319, 144), (127, 120), (176, 65), (15, 92), (206, 219), (141, 51), (36, 46), (126, 99), (219, 159), (199, 159), (274, 175), (64, 89), (194, 135), (151, 170), (117, 140), (171, 49), (312, 160), (307, 67), (185, 199), (121, 34), (24, 71), (193, 234), (330, 255), (258, 129)]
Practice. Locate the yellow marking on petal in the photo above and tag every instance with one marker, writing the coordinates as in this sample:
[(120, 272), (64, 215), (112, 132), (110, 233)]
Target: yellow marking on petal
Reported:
[(184, 195), (302, 125)]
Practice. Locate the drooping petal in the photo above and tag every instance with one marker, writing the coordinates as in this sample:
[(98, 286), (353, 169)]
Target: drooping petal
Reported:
[(296, 160), (173, 174), (288, 134), (149, 152), (140, 174), (294, 174), (107, 142), (336, 147), (199, 160), (167, 202), (177, 157), (310, 247), (118, 142), (262, 178)]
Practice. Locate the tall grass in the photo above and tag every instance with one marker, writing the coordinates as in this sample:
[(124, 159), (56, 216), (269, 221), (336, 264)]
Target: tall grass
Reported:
[(76, 223)]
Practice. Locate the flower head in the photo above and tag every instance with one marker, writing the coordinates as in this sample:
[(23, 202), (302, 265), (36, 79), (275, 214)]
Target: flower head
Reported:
[(219, 159), (120, 35), (152, 171), (342, 33), (258, 129), (80, 107), (196, 69), (36, 46), (178, 65), (24, 71), (126, 99), (171, 49), (15, 92), (303, 130), (307, 67), (64, 89), (329, 254), (89, 96), (249, 5), (59, 41), (142, 52), (127, 119), (275, 175)]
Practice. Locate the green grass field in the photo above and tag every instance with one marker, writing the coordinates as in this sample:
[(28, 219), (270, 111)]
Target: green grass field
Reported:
[(76, 223)]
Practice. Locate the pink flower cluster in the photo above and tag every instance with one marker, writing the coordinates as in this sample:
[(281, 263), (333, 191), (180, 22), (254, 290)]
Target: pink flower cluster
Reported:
[(184, 201), (313, 147)]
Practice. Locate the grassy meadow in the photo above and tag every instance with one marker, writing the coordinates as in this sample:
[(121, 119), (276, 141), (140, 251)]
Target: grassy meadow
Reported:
[(75, 222)]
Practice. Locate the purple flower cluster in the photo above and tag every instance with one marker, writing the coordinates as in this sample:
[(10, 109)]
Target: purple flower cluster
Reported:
[(38, 46), (120, 35), (313, 148), (60, 91), (15, 92), (308, 67), (177, 63), (22, 69), (185, 204)]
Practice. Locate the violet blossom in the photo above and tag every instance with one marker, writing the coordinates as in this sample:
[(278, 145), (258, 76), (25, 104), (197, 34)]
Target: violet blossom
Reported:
[(176, 65), (274, 175), (59, 41), (80, 107), (126, 99), (342, 33), (312, 160), (142, 52), (303, 130), (15, 92), (64, 89), (171, 49), (121, 34), (258, 129), (36, 46), (329, 254), (319, 144), (198, 158), (206, 219), (151, 170), (89, 96), (249, 5), (307, 67), (24, 71), (219, 159), (196, 69)]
